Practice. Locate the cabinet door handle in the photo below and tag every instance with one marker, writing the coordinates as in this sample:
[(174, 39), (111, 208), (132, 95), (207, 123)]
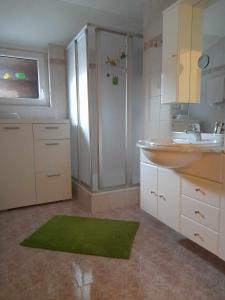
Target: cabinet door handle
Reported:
[(163, 197), (51, 127), (153, 193), (53, 175), (11, 128), (52, 144)]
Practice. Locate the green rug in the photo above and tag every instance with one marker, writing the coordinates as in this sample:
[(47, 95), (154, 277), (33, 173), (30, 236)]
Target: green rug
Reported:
[(92, 236)]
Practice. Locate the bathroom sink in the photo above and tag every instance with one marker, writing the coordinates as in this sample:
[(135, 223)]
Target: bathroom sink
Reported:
[(207, 139), (176, 153)]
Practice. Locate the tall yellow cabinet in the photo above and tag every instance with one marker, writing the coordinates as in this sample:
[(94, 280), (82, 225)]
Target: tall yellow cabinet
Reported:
[(177, 60)]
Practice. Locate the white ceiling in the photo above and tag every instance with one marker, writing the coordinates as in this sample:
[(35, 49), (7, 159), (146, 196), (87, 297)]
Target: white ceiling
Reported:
[(129, 8), (36, 23)]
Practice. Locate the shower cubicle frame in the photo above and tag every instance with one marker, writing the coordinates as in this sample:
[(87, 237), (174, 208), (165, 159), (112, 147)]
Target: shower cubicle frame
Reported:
[(128, 167)]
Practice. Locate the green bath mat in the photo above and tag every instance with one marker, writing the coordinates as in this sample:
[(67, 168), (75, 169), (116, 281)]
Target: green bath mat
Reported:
[(92, 236)]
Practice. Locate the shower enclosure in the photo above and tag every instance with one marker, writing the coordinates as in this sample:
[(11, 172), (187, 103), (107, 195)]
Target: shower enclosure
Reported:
[(104, 75)]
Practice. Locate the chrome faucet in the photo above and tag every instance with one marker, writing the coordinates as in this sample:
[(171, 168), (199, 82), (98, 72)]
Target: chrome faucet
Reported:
[(196, 132)]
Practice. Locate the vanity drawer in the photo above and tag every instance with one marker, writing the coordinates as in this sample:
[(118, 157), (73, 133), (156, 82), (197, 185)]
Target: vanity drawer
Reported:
[(52, 155), (200, 189), (51, 131), (53, 187), (200, 212), (200, 234)]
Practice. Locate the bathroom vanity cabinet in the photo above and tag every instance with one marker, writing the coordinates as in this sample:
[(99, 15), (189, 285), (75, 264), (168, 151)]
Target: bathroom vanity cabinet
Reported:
[(178, 63), (193, 205), (160, 194), (35, 163)]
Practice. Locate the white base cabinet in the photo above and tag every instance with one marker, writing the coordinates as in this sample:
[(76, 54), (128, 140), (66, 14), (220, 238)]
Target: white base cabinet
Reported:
[(34, 163), (149, 189), (168, 197), (191, 205), (17, 176), (160, 190)]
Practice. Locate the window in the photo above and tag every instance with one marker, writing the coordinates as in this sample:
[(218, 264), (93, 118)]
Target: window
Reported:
[(23, 78)]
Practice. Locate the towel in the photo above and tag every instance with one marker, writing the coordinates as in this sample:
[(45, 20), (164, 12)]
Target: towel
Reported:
[(215, 89)]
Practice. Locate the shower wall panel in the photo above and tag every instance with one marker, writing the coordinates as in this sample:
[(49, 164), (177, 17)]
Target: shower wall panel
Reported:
[(83, 108)]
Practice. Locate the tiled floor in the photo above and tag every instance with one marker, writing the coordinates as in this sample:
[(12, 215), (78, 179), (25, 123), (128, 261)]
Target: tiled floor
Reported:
[(163, 264)]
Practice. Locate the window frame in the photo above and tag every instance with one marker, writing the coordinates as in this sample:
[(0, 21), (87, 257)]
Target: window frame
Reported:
[(43, 78)]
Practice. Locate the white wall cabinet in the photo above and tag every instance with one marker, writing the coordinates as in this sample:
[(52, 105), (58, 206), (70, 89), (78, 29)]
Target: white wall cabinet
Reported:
[(176, 55), (160, 190), (34, 163)]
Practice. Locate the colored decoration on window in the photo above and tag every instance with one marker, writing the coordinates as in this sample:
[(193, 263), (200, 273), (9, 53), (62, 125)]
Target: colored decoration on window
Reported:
[(6, 76), (20, 76)]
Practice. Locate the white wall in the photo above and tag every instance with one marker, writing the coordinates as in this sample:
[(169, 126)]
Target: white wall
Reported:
[(157, 116), (30, 24)]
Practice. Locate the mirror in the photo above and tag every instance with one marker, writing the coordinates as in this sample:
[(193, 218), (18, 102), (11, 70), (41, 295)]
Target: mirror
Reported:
[(208, 54)]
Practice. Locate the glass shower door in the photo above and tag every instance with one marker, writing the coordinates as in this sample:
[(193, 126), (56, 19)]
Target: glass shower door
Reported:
[(112, 97)]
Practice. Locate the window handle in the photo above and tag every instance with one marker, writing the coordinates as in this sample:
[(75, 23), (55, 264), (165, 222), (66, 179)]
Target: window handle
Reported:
[(52, 144)]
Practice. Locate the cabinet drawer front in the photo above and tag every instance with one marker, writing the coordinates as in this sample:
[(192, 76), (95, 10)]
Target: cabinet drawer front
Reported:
[(200, 212), (201, 235), (53, 187), (52, 155), (17, 131), (51, 131), (203, 190)]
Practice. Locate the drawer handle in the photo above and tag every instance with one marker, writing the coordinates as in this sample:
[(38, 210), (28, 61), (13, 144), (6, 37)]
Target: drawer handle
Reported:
[(52, 144), (196, 234), (11, 128), (53, 175), (52, 127), (199, 190), (163, 197), (197, 212), (153, 193)]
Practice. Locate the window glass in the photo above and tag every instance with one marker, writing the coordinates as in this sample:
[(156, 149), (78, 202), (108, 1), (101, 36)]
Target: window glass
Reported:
[(18, 77)]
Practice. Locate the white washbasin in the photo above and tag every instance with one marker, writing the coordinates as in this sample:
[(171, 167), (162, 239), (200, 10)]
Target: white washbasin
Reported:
[(177, 153)]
